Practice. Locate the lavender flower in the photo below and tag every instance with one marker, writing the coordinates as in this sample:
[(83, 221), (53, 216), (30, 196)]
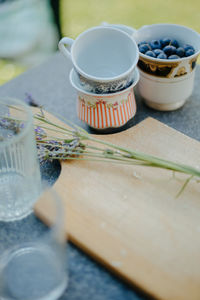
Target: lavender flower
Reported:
[(52, 149), (30, 101), (39, 133), (14, 126)]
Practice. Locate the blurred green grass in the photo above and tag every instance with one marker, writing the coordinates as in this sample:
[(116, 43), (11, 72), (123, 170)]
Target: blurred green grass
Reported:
[(9, 70), (78, 15)]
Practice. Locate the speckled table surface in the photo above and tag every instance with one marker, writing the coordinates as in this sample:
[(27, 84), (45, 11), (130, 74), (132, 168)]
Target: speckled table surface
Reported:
[(49, 86)]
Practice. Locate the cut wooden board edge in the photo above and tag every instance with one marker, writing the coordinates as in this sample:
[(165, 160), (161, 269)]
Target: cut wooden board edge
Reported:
[(153, 122), (115, 271), (76, 237), (47, 218)]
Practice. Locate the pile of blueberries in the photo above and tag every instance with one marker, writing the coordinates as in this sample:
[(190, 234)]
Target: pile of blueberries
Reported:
[(165, 49)]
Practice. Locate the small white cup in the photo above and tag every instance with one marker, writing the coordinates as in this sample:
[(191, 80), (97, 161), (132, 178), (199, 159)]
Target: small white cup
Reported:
[(165, 94), (102, 55), (167, 84), (103, 111)]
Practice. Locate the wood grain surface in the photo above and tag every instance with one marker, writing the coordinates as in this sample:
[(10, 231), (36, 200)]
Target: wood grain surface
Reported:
[(129, 218)]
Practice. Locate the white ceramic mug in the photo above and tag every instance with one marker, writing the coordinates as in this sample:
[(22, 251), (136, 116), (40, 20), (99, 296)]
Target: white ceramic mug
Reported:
[(102, 55), (166, 84)]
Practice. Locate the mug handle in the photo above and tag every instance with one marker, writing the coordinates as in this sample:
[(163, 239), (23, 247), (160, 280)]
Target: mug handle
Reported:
[(65, 46)]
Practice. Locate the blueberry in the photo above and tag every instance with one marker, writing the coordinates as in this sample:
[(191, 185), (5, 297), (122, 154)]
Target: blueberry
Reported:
[(169, 50), (157, 51), (187, 47), (144, 48), (164, 42), (150, 53), (174, 43), (155, 44), (180, 51), (189, 52), (142, 43), (162, 56), (174, 56)]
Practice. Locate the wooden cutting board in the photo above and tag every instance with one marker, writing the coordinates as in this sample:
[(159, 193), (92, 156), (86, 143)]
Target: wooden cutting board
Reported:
[(129, 218)]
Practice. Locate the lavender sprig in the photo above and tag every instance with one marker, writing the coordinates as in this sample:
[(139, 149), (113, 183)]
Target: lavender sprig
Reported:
[(77, 144), (113, 151), (108, 152)]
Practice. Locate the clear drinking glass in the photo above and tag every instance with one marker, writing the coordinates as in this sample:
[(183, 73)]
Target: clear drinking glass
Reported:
[(20, 181), (33, 258)]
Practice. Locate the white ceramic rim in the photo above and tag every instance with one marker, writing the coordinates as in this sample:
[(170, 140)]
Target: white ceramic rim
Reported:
[(94, 78), (27, 125), (122, 27), (170, 60), (78, 88)]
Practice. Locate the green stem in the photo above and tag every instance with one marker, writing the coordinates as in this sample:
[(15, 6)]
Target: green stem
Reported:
[(130, 154), (51, 129), (184, 186), (52, 124), (162, 163), (99, 160)]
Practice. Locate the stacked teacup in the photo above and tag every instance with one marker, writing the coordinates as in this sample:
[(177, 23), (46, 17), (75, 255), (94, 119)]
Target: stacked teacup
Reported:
[(104, 74)]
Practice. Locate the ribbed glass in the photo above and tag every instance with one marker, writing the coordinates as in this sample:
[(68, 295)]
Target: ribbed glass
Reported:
[(20, 181)]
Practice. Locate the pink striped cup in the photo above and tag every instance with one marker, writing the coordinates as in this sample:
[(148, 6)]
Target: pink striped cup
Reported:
[(102, 111)]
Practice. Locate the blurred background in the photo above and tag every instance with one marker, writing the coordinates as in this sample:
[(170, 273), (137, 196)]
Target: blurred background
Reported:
[(30, 29)]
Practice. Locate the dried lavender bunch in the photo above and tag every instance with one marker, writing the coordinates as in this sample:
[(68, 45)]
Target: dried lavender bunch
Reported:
[(111, 151), (76, 143), (53, 149), (102, 151)]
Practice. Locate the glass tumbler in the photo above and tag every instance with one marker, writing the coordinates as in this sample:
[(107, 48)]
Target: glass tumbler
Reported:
[(20, 180), (33, 257)]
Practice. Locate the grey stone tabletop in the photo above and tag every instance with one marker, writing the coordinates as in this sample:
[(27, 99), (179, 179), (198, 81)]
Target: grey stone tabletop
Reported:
[(49, 86)]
